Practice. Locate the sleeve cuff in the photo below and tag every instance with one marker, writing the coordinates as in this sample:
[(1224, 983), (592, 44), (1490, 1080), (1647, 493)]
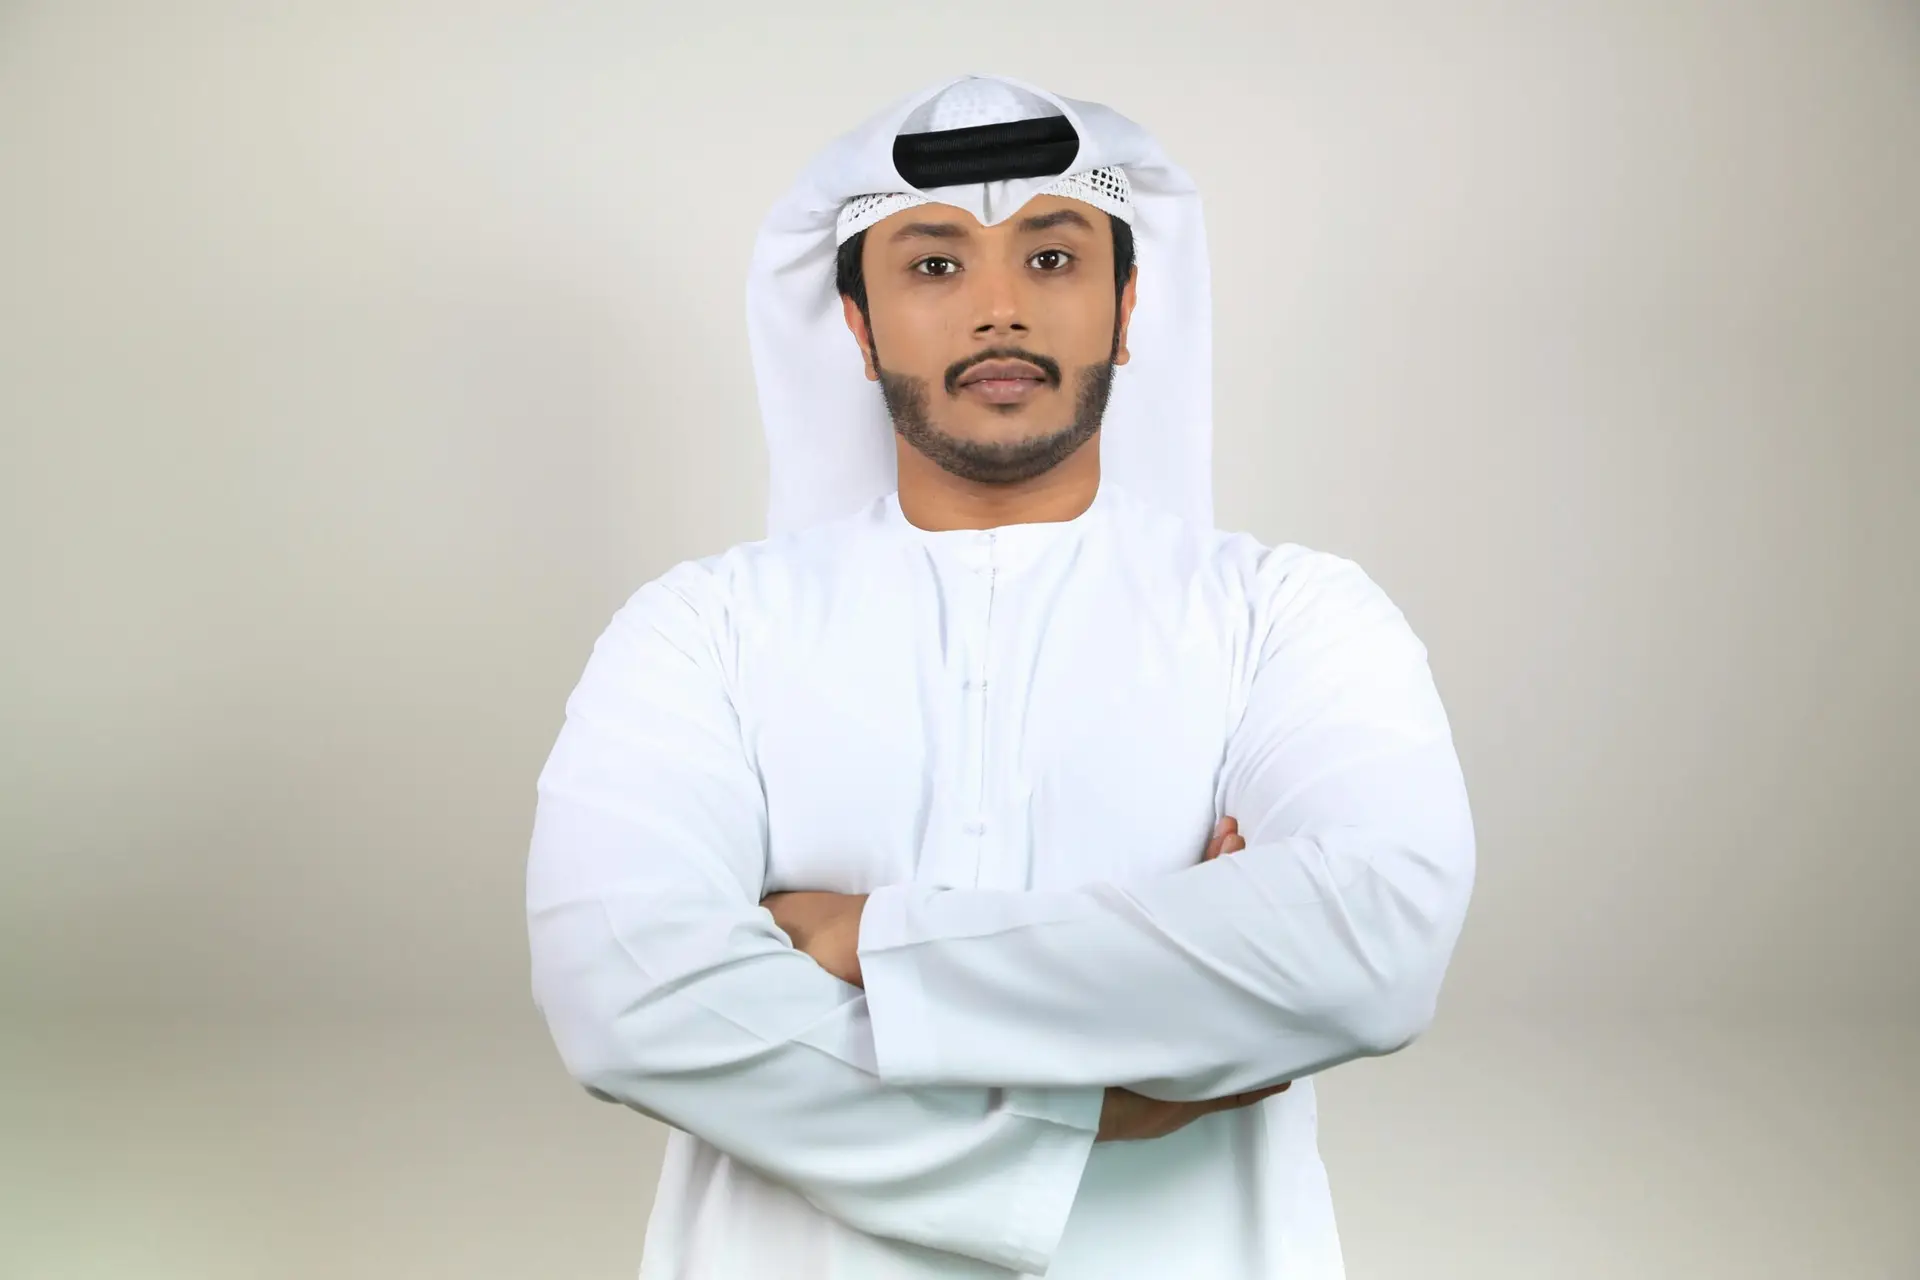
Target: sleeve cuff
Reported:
[(1050, 1185), (903, 1034), (1073, 1108)]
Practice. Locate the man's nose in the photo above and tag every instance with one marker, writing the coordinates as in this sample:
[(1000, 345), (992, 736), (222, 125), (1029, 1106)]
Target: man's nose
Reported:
[(1001, 309)]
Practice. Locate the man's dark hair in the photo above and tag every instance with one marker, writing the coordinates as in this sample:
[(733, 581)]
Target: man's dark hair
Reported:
[(850, 276)]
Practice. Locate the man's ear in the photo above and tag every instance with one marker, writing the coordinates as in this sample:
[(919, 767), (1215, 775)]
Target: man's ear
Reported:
[(862, 334), (1120, 355)]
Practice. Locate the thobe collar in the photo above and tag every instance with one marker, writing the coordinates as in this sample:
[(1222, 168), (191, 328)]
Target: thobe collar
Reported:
[(1004, 547)]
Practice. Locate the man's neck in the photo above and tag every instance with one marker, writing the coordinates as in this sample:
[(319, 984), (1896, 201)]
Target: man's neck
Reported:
[(937, 500)]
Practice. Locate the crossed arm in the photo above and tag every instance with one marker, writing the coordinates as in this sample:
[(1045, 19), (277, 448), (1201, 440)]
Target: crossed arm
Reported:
[(826, 926), (668, 987)]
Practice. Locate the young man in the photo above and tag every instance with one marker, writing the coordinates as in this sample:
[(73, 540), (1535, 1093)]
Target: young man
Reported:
[(881, 859)]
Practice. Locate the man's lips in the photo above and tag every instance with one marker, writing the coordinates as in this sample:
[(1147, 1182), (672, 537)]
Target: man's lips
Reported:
[(1003, 371), (1003, 381)]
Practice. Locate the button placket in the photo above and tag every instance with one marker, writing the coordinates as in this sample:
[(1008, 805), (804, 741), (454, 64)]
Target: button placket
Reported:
[(975, 799)]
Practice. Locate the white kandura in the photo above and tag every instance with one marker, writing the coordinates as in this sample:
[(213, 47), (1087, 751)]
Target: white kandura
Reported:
[(1017, 740)]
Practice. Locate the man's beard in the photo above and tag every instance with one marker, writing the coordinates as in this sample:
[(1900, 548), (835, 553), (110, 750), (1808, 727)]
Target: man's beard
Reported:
[(992, 461)]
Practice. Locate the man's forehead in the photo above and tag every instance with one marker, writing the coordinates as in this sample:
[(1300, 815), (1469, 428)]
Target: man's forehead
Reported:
[(1059, 212)]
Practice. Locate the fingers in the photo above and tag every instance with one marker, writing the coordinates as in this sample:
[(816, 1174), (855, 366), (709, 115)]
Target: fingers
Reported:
[(1237, 1100), (1233, 842), (1225, 832)]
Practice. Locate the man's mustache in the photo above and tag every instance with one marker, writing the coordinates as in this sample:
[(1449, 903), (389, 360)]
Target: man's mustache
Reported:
[(958, 369)]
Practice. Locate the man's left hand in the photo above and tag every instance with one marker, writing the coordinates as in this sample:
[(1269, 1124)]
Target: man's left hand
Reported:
[(824, 925)]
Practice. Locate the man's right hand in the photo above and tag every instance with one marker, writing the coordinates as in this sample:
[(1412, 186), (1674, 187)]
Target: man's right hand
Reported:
[(1126, 1116)]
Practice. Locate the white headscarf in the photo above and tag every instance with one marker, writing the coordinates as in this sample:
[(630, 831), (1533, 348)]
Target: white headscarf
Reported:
[(830, 445)]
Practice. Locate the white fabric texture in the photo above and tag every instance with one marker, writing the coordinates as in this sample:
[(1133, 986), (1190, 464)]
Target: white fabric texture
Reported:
[(1016, 741), (830, 446)]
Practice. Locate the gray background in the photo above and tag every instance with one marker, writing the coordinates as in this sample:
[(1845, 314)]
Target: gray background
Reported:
[(358, 359)]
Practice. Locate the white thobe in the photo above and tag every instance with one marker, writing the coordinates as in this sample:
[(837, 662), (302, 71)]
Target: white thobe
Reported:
[(1017, 740)]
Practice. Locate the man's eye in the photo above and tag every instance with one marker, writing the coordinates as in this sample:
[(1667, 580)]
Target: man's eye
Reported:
[(936, 266), (1051, 259)]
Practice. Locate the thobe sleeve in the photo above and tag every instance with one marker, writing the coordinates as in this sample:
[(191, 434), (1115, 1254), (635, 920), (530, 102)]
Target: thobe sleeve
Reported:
[(668, 988), (1322, 941)]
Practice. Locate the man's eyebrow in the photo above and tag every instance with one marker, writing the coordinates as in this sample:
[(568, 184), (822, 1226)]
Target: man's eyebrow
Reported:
[(930, 230), (1058, 218)]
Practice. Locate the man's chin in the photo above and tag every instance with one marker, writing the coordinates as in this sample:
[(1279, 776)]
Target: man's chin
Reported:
[(991, 445), (999, 458), (1000, 435)]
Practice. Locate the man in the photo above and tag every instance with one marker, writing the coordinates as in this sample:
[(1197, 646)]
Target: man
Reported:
[(882, 859)]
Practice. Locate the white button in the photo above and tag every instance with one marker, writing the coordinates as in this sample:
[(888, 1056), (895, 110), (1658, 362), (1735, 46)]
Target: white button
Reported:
[(973, 684), (975, 828)]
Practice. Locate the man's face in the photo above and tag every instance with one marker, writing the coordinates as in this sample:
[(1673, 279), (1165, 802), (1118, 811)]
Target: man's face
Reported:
[(994, 346)]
